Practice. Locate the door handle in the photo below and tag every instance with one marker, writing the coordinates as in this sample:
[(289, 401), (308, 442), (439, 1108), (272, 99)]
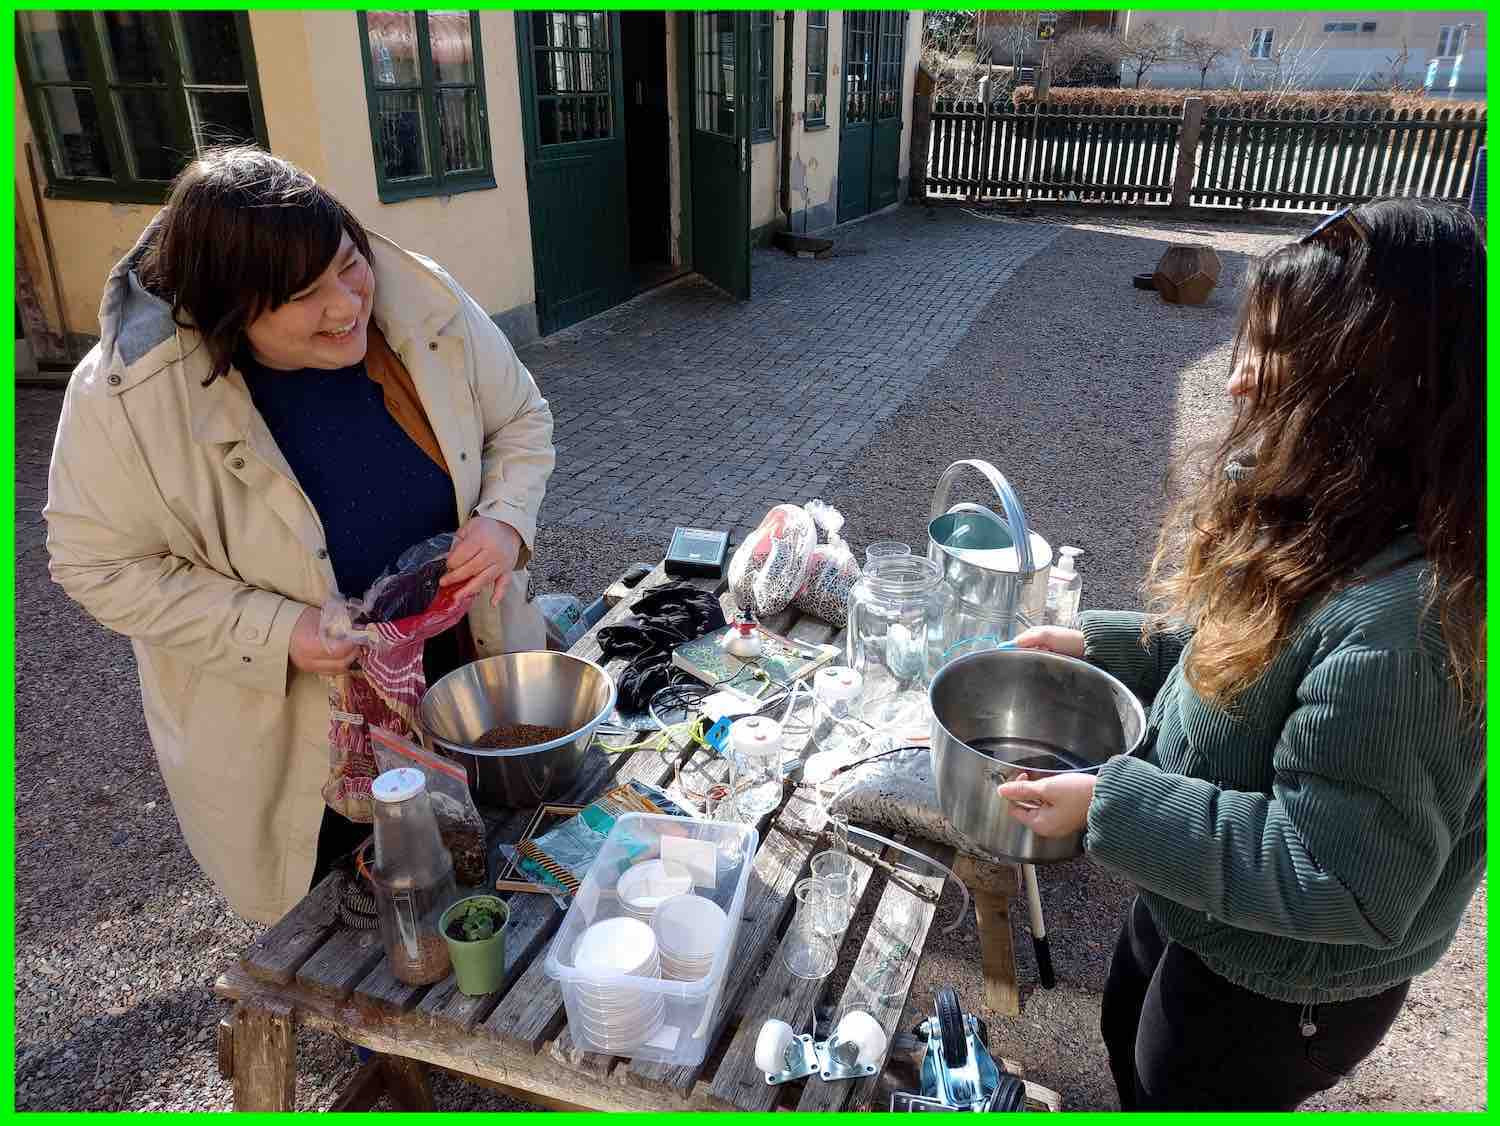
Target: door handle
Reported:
[(744, 150)]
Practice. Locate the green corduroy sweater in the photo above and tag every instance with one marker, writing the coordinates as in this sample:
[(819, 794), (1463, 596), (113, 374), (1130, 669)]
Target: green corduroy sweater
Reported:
[(1321, 841)]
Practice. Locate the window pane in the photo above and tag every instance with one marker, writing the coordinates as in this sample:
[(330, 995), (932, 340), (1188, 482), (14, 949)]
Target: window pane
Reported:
[(73, 117), (145, 117), (211, 49), (452, 46), (136, 51), (55, 42), (459, 130), (713, 94), (221, 118), (403, 140), (393, 48)]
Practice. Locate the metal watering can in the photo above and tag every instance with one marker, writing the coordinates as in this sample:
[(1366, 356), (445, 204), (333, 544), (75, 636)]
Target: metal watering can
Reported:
[(996, 568)]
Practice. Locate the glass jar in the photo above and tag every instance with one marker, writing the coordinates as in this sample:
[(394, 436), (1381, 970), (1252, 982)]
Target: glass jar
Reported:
[(755, 760), (898, 614), (413, 877)]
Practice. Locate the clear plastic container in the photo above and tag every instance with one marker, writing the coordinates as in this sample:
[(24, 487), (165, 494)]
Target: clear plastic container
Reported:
[(413, 877), (755, 757), (682, 1035), (1064, 586)]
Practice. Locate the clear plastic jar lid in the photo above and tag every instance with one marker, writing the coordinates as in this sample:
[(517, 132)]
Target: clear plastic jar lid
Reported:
[(838, 683), (398, 785), (755, 733)]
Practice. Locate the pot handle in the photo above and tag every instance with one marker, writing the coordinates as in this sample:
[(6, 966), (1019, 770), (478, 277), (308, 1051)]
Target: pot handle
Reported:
[(1015, 515)]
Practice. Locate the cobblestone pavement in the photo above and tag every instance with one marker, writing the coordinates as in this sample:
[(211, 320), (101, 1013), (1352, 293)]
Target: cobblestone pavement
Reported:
[(920, 341), (685, 407)]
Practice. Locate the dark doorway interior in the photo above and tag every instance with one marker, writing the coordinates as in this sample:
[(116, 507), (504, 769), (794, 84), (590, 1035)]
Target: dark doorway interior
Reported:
[(648, 153)]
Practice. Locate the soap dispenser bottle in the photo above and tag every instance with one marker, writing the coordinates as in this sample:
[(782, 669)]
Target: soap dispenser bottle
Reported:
[(1064, 586)]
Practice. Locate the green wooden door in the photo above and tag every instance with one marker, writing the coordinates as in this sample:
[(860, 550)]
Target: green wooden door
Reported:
[(720, 148), (857, 119), (575, 162), (870, 124), (890, 96)]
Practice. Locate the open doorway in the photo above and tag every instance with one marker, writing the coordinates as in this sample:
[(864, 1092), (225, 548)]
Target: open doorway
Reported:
[(648, 150)]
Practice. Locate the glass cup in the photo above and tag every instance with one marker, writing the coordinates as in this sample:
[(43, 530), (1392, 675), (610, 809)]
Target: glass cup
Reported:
[(885, 549), (810, 951), (836, 869)]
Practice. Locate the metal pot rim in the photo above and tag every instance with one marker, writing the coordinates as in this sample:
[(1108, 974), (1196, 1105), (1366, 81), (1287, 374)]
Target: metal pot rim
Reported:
[(1045, 654), (522, 752)]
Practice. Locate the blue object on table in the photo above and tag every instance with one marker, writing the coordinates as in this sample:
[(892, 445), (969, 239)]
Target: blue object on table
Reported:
[(718, 735)]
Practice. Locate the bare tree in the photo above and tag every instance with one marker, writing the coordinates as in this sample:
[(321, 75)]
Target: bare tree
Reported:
[(1087, 57), (952, 52), (1144, 46), (1009, 32), (1206, 50)]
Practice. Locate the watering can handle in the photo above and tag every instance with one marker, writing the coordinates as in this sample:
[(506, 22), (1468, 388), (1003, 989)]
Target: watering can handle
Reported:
[(1015, 515)]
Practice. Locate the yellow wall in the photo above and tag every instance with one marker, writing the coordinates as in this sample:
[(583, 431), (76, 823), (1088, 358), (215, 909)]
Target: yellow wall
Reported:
[(312, 88), (815, 152)]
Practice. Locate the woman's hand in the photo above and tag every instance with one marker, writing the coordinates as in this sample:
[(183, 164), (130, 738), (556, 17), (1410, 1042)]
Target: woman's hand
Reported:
[(484, 551), (1055, 806), (1054, 639), (309, 653)]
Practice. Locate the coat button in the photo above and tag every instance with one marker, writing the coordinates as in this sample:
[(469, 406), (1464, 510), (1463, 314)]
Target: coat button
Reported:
[(237, 463), (245, 659), (463, 456), (322, 553), (114, 380), (432, 345)]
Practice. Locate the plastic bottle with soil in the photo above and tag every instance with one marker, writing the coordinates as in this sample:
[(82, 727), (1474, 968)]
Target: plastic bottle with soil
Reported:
[(413, 877)]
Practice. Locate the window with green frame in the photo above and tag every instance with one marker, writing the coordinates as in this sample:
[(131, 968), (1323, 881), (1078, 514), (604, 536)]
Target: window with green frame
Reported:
[(425, 89), (815, 103), (762, 47), (119, 102)]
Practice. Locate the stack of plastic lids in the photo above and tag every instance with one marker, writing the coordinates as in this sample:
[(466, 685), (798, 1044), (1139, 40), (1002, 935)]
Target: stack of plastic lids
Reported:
[(645, 887), (614, 1016), (689, 929)]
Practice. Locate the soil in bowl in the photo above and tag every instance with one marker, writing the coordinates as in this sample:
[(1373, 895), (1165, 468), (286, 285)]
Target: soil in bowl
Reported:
[(513, 736)]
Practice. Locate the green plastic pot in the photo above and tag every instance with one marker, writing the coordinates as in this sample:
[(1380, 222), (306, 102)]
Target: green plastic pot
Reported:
[(478, 966)]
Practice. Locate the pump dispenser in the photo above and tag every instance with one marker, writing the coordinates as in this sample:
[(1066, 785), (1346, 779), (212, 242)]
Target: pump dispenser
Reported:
[(1064, 586)]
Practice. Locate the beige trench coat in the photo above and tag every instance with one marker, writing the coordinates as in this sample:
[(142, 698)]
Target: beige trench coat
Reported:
[(173, 519)]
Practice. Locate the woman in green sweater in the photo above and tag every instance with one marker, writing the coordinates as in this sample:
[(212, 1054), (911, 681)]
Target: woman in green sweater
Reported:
[(1306, 821)]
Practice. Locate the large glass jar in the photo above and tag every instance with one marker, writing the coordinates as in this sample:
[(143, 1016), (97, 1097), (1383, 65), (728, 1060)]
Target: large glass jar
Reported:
[(898, 613)]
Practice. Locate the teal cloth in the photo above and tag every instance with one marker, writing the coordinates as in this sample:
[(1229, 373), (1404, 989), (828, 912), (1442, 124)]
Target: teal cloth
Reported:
[(1323, 841)]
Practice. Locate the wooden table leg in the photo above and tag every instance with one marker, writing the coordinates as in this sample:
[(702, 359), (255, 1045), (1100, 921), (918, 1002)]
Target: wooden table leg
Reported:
[(991, 887), (406, 1083), (265, 1057)]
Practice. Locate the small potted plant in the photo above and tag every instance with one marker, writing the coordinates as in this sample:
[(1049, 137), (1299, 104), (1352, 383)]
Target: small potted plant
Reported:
[(474, 928)]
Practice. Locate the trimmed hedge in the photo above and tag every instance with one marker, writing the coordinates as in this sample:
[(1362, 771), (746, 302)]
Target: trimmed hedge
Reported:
[(1328, 101)]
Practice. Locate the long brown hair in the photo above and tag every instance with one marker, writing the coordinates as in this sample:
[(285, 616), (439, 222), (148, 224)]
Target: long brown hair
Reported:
[(1366, 420), (243, 231)]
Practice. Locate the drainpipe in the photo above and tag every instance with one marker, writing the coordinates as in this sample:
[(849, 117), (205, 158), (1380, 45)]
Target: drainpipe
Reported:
[(786, 117)]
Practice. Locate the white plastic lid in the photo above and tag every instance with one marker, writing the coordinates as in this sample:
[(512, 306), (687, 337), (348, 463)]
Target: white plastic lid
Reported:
[(838, 683), (755, 733), (1065, 564), (398, 785)]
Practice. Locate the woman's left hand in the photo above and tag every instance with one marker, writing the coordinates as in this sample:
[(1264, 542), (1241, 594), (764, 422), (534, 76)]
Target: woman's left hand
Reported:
[(484, 551), (1055, 806)]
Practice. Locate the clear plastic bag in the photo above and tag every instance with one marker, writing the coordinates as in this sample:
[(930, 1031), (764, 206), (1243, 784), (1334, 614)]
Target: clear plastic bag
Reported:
[(831, 574), (405, 592), (770, 567), (828, 520), (459, 822)]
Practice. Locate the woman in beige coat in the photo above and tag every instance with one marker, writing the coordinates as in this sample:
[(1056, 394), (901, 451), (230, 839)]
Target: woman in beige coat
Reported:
[(210, 489)]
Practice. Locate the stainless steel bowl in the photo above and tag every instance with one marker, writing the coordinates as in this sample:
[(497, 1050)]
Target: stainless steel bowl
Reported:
[(1000, 713), (544, 688)]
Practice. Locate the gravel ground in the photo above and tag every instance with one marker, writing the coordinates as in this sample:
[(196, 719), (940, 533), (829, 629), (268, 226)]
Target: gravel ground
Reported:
[(119, 937)]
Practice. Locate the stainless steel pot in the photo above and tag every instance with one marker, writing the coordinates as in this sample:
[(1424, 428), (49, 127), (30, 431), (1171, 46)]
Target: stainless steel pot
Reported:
[(1000, 713), (543, 688), (996, 568)]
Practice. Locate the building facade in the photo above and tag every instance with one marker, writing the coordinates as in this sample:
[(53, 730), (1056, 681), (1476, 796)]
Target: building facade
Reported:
[(556, 163), (1337, 50)]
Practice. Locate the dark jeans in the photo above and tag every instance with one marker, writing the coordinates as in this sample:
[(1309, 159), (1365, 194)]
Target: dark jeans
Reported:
[(1182, 1038)]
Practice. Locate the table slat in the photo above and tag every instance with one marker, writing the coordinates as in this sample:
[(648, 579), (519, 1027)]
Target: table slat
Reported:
[(341, 963), (275, 956)]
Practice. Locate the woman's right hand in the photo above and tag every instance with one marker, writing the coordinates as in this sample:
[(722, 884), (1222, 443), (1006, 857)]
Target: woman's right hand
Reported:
[(1054, 639), (308, 653)]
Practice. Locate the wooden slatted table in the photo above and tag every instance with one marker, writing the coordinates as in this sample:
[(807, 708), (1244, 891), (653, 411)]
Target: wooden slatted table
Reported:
[(311, 968)]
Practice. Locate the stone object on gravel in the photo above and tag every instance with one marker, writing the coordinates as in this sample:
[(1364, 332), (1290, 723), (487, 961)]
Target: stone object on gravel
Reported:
[(1187, 273)]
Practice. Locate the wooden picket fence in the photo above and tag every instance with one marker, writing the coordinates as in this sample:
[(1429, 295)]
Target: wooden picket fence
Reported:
[(1217, 157), (1301, 161)]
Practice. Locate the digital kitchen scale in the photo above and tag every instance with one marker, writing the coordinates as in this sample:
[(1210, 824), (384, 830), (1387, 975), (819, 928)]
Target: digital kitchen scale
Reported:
[(697, 552)]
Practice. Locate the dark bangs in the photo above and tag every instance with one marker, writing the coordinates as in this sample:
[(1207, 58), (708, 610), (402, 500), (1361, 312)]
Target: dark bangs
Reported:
[(243, 231)]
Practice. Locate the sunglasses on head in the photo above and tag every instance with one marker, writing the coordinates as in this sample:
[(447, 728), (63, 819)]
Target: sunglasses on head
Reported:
[(1341, 223)]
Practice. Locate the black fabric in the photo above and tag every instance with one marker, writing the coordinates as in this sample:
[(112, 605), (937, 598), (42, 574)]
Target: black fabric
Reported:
[(664, 617), (1182, 1038), (337, 838)]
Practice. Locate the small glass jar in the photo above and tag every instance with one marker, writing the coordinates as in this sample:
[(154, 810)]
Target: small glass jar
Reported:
[(898, 614), (755, 759)]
